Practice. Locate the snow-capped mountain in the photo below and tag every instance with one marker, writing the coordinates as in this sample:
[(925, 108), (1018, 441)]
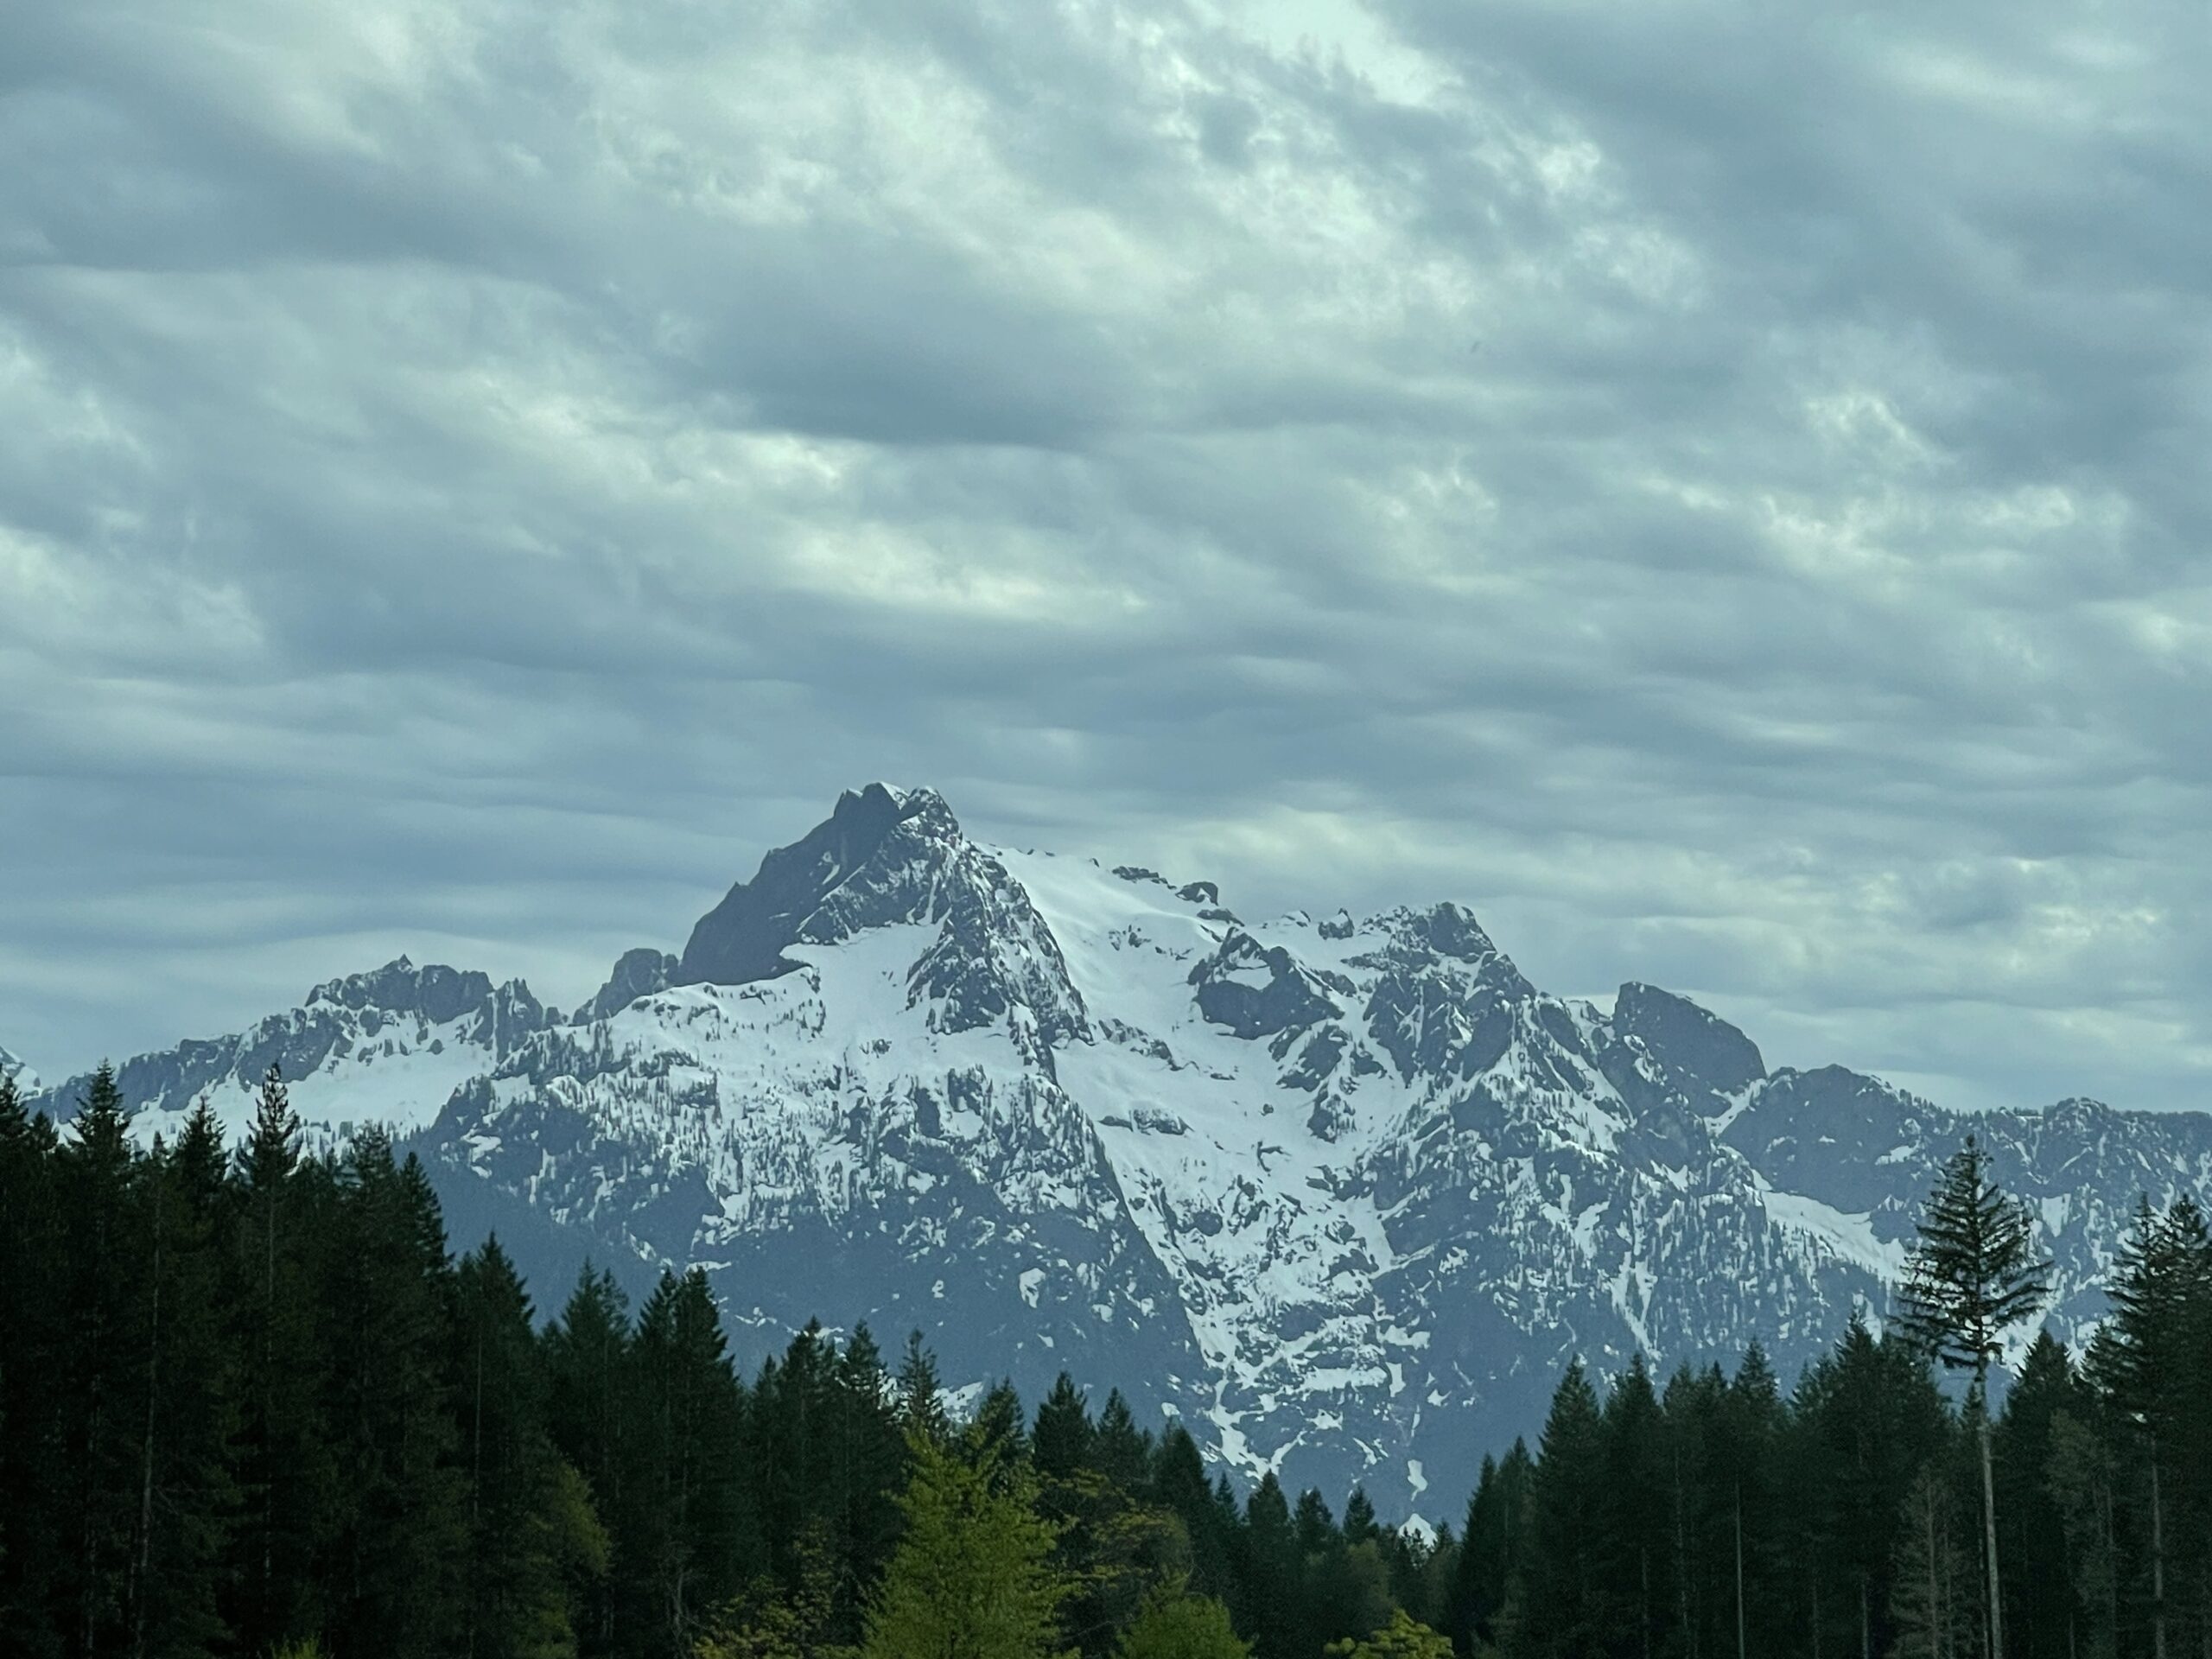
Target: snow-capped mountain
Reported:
[(386, 1048), (24, 1077), (1344, 1194)]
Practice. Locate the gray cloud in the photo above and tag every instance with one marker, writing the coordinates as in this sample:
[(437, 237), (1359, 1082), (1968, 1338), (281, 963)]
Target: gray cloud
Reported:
[(1719, 494)]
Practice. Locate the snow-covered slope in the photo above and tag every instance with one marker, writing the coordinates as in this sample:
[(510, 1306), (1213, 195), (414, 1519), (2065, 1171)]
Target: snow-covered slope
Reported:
[(24, 1077), (1343, 1193), (387, 1047)]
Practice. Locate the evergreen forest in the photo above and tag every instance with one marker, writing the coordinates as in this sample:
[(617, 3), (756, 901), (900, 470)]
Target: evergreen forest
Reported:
[(252, 1404)]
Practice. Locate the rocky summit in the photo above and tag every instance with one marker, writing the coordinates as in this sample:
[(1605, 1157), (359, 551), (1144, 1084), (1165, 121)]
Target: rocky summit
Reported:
[(1343, 1194)]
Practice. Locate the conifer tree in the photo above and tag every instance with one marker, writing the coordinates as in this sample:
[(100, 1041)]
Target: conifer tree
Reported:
[(1062, 1434), (102, 1366), (1179, 1484), (921, 1406), (286, 1464), (1930, 1609), (1119, 1450), (686, 1508), (1972, 1275), (1360, 1524), (531, 1546), (187, 1497), (1637, 1546), (2038, 1611), (1491, 1551), (1868, 1418), (1749, 1464), (2161, 1282), (1565, 1606), (32, 1465), (1696, 1416), (1268, 1569), (997, 1428), (590, 1420), (1313, 1525), (871, 1456), (2084, 1481), (400, 1523), (794, 1473)]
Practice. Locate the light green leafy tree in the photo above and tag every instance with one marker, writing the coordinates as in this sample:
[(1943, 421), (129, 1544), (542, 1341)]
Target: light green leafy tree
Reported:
[(1174, 1625), (1403, 1638), (973, 1577)]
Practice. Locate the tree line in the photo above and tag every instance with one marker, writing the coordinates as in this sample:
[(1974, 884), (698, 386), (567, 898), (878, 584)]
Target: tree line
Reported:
[(252, 1404)]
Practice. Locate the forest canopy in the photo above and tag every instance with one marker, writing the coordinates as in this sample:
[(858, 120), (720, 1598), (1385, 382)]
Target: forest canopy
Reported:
[(251, 1403)]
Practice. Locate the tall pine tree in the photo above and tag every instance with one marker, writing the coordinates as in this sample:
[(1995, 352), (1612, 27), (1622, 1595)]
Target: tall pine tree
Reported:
[(1972, 1275)]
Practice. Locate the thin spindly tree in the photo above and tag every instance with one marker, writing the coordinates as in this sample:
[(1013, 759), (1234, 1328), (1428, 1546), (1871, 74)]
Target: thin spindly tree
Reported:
[(1971, 1277)]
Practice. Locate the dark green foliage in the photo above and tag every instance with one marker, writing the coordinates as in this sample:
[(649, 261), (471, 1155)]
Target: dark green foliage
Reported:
[(187, 1496), (2150, 1367), (921, 1408), (1063, 1435), (587, 1417), (287, 1464), (1642, 1549), (1974, 1273), (532, 1545), (253, 1406), (399, 1537), (1564, 1600), (101, 1355), (1491, 1551), (685, 1529), (2041, 1618), (32, 1456)]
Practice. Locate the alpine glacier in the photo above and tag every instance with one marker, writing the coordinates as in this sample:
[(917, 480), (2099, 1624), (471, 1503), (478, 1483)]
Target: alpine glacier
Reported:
[(1343, 1194)]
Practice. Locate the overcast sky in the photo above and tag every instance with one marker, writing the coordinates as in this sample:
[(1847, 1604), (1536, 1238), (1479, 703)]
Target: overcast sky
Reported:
[(1719, 489)]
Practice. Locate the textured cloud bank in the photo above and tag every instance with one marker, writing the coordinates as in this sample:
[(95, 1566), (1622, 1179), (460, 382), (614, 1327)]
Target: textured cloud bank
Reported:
[(1723, 494)]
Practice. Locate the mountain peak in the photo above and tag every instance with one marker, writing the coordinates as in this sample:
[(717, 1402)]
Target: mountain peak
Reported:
[(636, 973), (743, 938), (11, 1066), (436, 992), (1451, 929), (1688, 1040)]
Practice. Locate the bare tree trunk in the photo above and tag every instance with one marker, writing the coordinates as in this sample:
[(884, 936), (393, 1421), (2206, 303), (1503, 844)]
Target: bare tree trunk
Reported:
[(1989, 1537), (1740, 1653), (1683, 1564), (2157, 1558), (476, 1479), (146, 1456), (2112, 1579), (267, 1413), (1935, 1609)]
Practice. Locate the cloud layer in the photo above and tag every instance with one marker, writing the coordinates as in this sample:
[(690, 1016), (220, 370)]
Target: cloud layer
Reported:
[(1721, 493)]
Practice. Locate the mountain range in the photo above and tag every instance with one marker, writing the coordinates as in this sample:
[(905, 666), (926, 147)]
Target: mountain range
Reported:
[(1342, 1193)]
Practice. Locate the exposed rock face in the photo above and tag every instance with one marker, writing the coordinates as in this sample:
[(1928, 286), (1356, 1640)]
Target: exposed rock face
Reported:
[(637, 973), (744, 937), (1343, 1195)]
